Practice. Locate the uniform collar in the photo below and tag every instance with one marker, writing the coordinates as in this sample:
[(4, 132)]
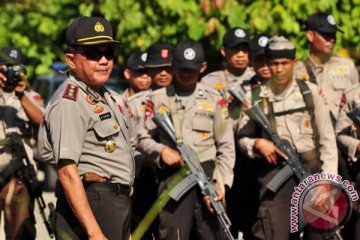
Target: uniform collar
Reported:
[(95, 96), (266, 91)]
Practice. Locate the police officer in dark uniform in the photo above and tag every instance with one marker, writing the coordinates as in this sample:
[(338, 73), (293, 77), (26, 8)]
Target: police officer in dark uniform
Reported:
[(88, 127)]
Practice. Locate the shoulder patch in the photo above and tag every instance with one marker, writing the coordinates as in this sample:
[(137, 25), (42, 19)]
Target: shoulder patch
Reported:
[(71, 92), (149, 109)]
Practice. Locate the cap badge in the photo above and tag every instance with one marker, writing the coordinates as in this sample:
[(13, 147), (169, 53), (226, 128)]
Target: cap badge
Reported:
[(99, 27), (189, 54), (14, 53), (240, 33), (331, 20), (143, 57), (164, 53), (263, 41)]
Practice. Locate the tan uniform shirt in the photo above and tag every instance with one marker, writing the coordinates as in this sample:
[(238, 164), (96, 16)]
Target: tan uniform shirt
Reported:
[(347, 133), (91, 130), (15, 120), (296, 127), (204, 126), (222, 81), (333, 78), (136, 106)]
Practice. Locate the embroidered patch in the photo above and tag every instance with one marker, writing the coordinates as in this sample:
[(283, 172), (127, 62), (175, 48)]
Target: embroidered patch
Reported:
[(163, 109), (343, 101), (218, 86), (98, 109), (203, 135), (38, 99), (71, 92), (205, 106), (149, 109), (105, 116)]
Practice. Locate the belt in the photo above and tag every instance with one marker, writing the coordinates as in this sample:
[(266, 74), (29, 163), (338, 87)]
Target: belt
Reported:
[(116, 188)]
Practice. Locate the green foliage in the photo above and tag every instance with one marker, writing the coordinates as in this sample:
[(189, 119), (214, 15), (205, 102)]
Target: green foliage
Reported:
[(38, 26)]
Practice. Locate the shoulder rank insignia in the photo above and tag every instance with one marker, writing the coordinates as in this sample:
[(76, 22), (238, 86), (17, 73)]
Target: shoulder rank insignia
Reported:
[(149, 109), (71, 92)]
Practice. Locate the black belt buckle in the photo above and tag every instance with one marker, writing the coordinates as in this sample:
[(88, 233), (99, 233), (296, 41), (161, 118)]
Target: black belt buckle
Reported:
[(125, 190)]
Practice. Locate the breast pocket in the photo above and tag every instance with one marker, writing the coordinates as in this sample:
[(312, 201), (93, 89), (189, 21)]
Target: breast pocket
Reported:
[(305, 126), (107, 129), (203, 129), (340, 84)]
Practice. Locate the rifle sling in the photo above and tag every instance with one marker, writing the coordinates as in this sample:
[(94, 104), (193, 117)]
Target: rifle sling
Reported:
[(174, 116), (309, 70)]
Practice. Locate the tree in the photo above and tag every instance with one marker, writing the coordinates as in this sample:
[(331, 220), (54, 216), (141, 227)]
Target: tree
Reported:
[(38, 27)]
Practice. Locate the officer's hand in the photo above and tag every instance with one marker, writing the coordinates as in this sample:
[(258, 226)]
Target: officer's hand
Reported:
[(268, 150), (220, 196), (171, 157), (20, 87), (2, 76)]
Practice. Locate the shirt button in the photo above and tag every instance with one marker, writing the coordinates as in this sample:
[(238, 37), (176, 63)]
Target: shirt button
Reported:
[(115, 126)]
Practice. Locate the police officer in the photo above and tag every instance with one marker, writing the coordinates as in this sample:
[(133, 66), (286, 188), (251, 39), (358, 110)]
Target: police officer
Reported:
[(235, 50), (242, 208), (348, 136), (293, 119), (88, 126), (201, 116), (158, 66), (331, 74), (20, 111), (136, 75)]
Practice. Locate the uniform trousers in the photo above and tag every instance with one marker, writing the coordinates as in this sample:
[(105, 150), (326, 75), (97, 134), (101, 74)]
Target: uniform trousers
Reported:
[(112, 212), (188, 218), (18, 209)]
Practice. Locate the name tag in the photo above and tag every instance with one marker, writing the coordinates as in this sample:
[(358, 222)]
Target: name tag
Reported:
[(105, 116)]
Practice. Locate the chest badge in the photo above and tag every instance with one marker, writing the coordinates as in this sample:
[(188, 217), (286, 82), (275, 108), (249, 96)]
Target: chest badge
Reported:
[(110, 146), (90, 99)]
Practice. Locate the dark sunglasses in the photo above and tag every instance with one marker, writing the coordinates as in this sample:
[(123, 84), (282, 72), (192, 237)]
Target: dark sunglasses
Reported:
[(96, 54)]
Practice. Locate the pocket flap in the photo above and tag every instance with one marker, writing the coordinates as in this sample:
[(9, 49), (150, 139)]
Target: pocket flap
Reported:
[(107, 128), (203, 124)]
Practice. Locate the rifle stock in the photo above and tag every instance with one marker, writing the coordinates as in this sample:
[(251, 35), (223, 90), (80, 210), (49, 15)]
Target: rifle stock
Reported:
[(196, 174)]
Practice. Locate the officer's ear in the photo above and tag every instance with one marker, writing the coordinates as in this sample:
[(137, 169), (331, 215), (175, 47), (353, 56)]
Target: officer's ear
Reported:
[(222, 51), (203, 67), (70, 60), (310, 35), (127, 73)]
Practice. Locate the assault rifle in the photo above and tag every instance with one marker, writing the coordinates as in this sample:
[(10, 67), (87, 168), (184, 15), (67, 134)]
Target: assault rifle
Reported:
[(195, 175), (293, 164), (27, 173)]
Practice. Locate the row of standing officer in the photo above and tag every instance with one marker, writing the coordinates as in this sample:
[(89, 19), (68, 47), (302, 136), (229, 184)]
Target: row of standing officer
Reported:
[(333, 76)]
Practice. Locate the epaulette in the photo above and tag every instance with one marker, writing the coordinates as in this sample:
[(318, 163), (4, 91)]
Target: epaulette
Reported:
[(71, 92)]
